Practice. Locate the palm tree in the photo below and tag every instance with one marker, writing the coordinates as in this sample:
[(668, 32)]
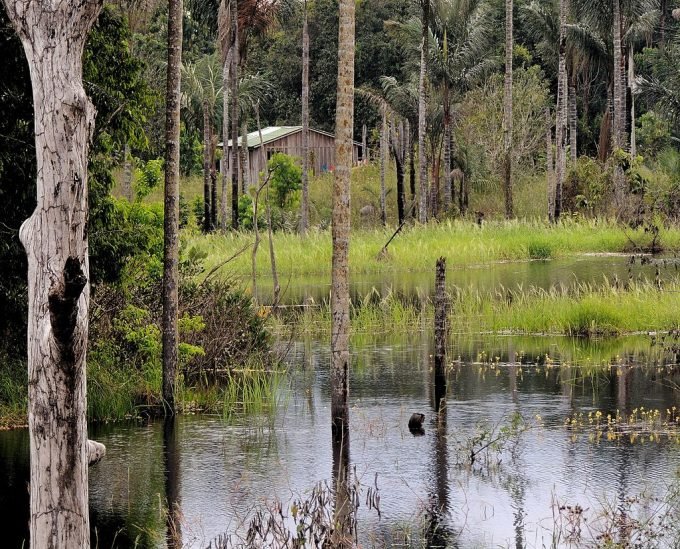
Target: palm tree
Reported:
[(459, 57), (202, 93)]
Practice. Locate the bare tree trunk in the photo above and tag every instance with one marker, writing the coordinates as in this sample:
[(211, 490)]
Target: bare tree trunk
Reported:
[(245, 159), (272, 255), (447, 148), (573, 117), (561, 123), (550, 166), (619, 125), (344, 122), (213, 180), (226, 68), (422, 113), (127, 173), (507, 112), (171, 219), (55, 238), (233, 7), (364, 144), (383, 164), (207, 223), (399, 151), (631, 86), (410, 147), (304, 206)]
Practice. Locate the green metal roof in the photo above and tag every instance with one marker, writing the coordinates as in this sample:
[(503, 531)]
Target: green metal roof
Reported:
[(272, 133), (269, 134)]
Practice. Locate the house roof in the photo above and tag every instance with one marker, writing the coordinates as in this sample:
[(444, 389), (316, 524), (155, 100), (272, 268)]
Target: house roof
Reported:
[(272, 133)]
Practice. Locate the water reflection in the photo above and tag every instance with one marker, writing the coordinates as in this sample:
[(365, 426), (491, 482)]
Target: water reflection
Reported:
[(171, 458), (408, 285), (220, 472)]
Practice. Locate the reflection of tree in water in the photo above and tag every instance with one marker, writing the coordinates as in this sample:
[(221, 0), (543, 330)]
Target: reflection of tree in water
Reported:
[(344, 516), (171, 462)]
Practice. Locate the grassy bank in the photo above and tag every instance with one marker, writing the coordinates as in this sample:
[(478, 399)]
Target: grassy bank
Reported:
[(582, 310), (417, 247)]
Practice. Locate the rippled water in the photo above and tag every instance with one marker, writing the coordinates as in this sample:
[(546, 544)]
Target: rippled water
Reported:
[(218, 472)]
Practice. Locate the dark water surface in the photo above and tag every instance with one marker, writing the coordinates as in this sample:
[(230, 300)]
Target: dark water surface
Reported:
[(218, 473)]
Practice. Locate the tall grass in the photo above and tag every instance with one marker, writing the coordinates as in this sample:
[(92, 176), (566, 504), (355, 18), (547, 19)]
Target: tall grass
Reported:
[(417, 247), (580, 310)]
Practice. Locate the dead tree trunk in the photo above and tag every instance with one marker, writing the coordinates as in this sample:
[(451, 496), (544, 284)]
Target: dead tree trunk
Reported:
[(127, 173), (55, 238), (440, 331)]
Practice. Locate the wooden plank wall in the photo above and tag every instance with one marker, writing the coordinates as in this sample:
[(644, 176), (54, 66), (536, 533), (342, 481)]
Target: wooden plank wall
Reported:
[(321, 148)]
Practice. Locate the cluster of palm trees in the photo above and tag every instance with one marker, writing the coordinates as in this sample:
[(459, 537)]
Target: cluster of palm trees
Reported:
[(589, 45)]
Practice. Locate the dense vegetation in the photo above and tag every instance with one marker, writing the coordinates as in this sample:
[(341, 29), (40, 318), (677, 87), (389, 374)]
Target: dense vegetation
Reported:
[(124, 70)]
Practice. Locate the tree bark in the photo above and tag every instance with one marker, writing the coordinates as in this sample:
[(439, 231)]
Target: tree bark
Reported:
[(410, 148), (207, 223), (447, 148), (55, 238), (226, 68), (631, 86), (383, 165), (399, 152), (507, 112), (573, 117), (127, 173), (561, 114), (344, 121), (550, 166), (422, 113), (304, 206), (245, 159), (234, 112), (364, 144), (619, 125), (171, 207), (213, 180)]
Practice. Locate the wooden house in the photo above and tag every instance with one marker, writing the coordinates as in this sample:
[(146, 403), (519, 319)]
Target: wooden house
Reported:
[(288, 139)]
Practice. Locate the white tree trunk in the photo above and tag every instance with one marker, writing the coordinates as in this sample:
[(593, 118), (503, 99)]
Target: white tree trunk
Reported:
[(55, 237), (631, 85)]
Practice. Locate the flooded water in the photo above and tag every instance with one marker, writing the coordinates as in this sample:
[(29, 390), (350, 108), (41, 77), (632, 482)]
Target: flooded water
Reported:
[(590, 269), (219, 473)]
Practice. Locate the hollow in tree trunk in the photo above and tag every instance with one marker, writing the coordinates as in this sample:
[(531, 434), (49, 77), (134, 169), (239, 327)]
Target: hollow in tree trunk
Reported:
[(53, 35)]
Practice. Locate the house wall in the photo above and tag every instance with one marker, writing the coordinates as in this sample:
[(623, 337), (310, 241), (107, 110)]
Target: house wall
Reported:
[(321, 151)]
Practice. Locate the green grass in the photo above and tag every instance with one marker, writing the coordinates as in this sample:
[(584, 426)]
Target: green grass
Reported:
[(581, 310), (418, 247)]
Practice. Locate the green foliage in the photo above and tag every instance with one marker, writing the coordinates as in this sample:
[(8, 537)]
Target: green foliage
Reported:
[(653, 135), (148, 177), (190, 152), (479, 127), (286, 180), (587, 187)]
